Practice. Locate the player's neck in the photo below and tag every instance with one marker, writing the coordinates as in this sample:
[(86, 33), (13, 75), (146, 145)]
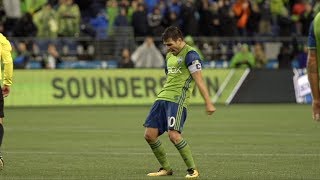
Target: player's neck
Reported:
[(183, 44)]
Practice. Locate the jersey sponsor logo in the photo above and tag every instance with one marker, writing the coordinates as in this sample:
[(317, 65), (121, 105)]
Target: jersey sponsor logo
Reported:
[(171, 121), (174, 70)]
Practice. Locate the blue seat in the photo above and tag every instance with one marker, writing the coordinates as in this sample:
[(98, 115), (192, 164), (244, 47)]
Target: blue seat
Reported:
[(215, 64), (272, 64), (34, 65), (112, 64)]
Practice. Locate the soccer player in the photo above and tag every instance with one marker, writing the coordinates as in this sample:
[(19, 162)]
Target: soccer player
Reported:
[(168, 113), (6, 60), (313, 65)]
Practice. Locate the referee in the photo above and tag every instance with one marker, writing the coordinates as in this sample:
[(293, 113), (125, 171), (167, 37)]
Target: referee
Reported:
[(6, 61)]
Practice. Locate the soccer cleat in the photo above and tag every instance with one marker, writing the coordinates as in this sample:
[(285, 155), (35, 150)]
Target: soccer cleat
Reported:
[(1, 163), (192, 173), (161, 172)]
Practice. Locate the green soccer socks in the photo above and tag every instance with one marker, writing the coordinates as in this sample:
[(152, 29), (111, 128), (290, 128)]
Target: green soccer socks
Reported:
[(160, 153), (185, 152)]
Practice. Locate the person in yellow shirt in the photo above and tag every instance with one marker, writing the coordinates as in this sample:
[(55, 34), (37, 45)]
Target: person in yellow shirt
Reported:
[(6, 60)]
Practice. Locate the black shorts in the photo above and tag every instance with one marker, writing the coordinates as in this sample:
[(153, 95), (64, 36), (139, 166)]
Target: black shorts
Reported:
[(1, 103)]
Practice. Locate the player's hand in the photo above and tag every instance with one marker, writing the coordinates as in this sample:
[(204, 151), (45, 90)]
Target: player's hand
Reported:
[(316, 110), (210, 108), (5, 91)]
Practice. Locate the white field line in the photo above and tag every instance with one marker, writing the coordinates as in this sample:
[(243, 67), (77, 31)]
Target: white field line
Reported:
[(252, 133), (223, 85), (170, 154), (237, 87)]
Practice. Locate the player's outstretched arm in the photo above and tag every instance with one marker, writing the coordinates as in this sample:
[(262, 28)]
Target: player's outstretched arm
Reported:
[(313, 76), (197, 76)]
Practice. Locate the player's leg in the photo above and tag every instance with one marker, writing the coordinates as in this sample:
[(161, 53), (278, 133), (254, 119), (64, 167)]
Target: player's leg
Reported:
[(1, 128), (176, 120), (154, 128), (185, 152), (151, 136)]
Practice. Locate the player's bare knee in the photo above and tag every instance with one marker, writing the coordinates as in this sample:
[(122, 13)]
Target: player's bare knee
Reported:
[(151, 134), (149, 137), (175, 137)]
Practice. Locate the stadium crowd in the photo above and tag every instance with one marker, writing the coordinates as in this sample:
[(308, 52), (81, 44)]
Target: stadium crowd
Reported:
[(98, 20)]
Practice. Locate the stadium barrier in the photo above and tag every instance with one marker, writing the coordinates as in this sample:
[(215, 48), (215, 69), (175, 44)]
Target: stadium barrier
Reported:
[(266, 86), (108, 87)]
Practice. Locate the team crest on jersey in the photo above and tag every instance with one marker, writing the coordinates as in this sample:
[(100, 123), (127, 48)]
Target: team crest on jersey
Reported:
[(179, 60)]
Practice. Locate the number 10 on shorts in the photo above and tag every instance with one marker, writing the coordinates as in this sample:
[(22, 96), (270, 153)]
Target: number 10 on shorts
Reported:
[(171, 121)]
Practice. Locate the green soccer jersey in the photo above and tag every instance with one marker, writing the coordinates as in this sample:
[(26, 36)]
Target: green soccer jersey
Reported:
[(179, 83)]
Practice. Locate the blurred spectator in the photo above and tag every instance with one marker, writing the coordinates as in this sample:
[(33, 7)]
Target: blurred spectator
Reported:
[(316, 7), (302, 57), (122, 18), (46, 22), (25, 27), (12, 9), (306, 18), (124, 4), (252, 27), (112, 12), (126, 61), (131, 9), (140, 22), (100, 25), (188, 17), (285, 23), (241, 9), (9, 21), (31, 6), (265, 19), (243, 58), (52, 58), (209, 23), (277, 7), (89, 8), (174, 6), (151, 4), (147, 55), (215, 20), (285, 57), (68, 19), (172, 20), (23, 56), (163, 7), (227, 20), (259, 55), (155, 20), (298, 7), (189, 40)]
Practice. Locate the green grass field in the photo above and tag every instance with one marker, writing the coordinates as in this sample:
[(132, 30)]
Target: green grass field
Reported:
[(237, 142)]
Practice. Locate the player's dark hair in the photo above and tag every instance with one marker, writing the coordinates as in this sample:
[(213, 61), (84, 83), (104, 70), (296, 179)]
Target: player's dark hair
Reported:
[(172, 32)]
